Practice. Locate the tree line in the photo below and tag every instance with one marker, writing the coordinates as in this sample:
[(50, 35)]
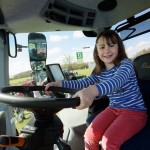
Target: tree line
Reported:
[(22, 75), (69, 65)]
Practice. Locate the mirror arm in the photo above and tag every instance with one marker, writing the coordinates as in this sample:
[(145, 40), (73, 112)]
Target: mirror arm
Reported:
[(19, 47)]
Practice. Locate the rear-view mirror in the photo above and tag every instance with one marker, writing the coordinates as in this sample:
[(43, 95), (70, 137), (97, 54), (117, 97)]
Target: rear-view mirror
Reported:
[(37, 47)]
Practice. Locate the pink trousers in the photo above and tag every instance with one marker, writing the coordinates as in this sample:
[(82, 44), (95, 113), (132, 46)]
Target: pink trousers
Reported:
[(113, 127)]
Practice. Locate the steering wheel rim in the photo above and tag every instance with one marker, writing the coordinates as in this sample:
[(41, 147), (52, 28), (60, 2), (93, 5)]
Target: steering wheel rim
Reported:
[(33, 103)]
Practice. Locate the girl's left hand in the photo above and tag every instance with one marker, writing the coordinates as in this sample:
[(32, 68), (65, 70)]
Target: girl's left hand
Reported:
[(86, 96)]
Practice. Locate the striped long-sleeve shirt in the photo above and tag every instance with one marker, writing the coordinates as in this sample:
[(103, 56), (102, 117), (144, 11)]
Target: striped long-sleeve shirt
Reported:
[(119, 84)]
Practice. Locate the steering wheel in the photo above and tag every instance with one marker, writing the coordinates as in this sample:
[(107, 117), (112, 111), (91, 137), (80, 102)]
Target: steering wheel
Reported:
[(52, 104), (47, 125)]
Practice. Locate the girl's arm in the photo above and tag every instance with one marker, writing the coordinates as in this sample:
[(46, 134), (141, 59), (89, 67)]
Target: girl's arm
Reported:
[(80, 84), (120, 78), (87, 95)]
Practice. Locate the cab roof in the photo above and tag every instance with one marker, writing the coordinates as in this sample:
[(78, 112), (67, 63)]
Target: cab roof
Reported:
[(20, 16)]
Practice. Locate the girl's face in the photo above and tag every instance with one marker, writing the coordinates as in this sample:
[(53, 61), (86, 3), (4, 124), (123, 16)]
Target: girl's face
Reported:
[(107, 52)]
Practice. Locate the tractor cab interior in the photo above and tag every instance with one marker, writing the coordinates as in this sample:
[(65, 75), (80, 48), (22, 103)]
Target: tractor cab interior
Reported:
[(37, 18)]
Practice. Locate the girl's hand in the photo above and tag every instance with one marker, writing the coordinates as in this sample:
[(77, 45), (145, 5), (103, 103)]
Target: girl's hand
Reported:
[(56, 84), (86, 96), (43, 82)]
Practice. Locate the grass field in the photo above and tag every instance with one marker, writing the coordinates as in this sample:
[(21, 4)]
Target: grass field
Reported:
[(14, 82), (25, 120)]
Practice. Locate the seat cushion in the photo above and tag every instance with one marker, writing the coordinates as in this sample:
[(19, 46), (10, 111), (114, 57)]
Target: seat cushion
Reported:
[(140, 141)]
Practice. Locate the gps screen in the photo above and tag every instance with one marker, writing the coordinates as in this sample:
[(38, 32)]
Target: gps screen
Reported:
[(54, 72)]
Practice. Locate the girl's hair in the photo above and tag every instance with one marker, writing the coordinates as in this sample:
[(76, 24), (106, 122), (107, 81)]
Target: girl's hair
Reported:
[(112, 36)]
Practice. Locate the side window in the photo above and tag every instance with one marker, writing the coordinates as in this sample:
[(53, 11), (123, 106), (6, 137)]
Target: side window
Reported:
[(138, 46)]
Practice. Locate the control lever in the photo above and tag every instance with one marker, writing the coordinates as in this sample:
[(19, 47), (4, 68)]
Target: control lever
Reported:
[(6, 141)]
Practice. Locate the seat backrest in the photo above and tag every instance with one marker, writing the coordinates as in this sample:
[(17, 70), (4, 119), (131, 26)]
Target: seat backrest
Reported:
[(142, 66), (145, 90)]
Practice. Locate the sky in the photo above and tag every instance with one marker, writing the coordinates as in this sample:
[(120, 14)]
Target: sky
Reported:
[(62, 44)]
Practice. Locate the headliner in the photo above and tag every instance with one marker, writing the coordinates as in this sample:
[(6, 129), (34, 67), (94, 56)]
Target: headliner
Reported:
[(26, 15)]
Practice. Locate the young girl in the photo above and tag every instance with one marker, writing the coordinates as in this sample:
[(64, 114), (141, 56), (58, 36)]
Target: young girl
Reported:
[(115, 77)]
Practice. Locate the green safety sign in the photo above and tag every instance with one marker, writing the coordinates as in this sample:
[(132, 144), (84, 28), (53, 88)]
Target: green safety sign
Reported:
[(79, 55)]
